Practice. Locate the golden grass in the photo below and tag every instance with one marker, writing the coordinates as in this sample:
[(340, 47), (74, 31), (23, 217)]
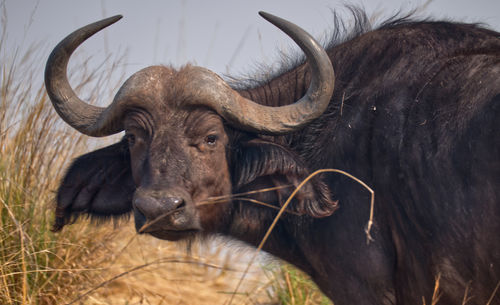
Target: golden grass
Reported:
[(36, 266), (293, 287), (30, 151), (140, 269)]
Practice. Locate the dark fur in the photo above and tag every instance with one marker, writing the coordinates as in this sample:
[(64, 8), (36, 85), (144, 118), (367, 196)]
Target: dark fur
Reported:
[(256, 159), (101, 176), (415, 114)]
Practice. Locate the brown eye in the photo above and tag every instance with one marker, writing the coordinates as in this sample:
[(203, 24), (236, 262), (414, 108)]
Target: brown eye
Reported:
[(131, 139), (211, 139)]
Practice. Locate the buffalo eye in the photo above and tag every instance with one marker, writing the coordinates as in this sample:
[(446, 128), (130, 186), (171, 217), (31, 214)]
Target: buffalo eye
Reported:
[(211, 139), (131, 139)]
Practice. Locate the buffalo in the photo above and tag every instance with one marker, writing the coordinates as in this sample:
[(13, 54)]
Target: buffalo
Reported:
[(413, 110)]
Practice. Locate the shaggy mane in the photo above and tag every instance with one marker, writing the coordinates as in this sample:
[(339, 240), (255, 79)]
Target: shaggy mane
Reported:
[(342, 29)]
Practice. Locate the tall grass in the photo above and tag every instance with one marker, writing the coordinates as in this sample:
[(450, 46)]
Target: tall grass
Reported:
[(36, 266), (289, 286)]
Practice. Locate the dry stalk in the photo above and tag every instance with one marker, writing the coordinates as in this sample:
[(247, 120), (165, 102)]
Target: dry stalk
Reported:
[(250, 192), (251, 200), (221, 199), (283, 208), (290, 288), (19, 226), (466, 298), (157, 219), (436, 295), (493, 294)]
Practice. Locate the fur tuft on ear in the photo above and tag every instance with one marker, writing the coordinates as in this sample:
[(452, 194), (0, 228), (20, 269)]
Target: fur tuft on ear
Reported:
[(98, 184), (258, 159)]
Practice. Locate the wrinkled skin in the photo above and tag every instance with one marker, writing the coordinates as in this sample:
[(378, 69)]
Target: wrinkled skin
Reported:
[(173, 168), (186, 152), (173, 153)]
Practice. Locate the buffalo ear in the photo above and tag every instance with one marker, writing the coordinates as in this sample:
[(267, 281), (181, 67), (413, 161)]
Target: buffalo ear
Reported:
[(98, 184), (261, 161)]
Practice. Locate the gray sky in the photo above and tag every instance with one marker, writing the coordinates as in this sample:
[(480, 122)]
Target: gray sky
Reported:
[(224, 36)]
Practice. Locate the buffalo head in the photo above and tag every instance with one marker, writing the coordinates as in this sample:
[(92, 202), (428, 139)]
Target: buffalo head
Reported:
[(188, 138)]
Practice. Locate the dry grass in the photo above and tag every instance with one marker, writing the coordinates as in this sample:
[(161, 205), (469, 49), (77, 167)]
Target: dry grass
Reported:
[(140, 269), (36, 266), (292, 287), (32, 153)]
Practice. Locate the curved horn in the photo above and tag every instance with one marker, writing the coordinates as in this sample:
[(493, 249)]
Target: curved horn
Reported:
[(249, 115), (88, 119)]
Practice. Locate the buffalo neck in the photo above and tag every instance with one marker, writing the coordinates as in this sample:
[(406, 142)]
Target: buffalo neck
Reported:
[(250, 225)]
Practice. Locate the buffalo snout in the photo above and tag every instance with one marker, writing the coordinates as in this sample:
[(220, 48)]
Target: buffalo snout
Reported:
[(162, 213), (152, 207)]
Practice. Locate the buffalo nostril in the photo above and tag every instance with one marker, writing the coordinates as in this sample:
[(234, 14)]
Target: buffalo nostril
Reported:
[(177, 202), (152, 206), (147, 206)]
